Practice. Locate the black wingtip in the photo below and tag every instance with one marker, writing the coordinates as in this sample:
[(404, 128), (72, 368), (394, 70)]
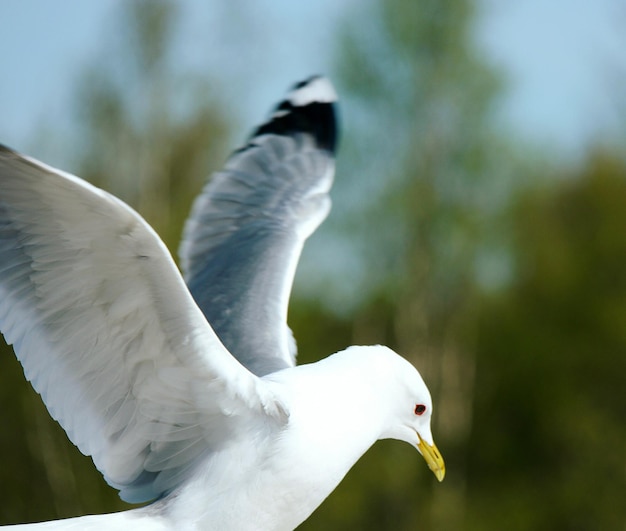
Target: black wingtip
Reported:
[(308, 108)]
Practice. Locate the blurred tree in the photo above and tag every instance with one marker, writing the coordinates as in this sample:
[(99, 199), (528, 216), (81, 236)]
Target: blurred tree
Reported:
[(149, 133), (548, 449), (432, 174)]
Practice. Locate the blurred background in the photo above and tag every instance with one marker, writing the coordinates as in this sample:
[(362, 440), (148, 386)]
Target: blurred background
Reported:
[(478, 225)]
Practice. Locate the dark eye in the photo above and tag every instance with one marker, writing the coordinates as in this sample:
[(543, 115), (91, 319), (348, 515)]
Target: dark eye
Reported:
[(419, 409)]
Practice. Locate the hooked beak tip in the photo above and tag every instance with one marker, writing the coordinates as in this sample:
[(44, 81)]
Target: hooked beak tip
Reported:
[(433, 458)]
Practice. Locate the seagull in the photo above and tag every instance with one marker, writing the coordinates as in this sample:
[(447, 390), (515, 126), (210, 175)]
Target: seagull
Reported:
[(183, 388)]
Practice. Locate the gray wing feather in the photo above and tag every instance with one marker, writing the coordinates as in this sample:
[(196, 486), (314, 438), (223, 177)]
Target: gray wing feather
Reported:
[(242, 242)]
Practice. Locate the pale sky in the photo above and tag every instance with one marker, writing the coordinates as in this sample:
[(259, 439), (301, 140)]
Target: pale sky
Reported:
[(564, 63), (564, 60)]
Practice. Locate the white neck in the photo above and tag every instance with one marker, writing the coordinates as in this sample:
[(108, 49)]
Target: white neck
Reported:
[(338, 409)]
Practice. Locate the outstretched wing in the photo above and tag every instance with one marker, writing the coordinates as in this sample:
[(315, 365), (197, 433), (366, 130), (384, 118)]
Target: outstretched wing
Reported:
[(109, 335), (242, 242)]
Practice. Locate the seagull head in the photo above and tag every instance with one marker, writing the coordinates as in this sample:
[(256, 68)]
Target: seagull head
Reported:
[(411, 407)]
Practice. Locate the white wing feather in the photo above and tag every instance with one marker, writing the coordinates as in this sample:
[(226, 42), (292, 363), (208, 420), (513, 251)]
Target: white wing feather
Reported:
[(109, 335)]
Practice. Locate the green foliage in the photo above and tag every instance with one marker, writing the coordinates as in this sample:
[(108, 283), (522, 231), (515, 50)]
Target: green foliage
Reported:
[(43, 475), (547, 445), (545, 448), (431, 175), (528, 383)]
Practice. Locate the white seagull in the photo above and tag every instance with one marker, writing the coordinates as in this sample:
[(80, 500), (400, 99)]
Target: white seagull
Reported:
[(185, 391)]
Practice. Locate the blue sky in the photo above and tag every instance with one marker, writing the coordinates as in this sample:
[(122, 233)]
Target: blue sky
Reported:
[(564, 60), (565, 64)]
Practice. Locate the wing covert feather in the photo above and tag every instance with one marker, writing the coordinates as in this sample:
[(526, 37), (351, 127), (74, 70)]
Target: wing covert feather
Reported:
[(109, 335)]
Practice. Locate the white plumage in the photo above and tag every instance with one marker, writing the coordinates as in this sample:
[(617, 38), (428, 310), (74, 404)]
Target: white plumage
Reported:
[(224, 432)]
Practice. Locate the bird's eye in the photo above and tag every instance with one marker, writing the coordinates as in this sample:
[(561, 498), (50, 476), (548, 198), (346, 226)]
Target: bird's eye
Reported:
[(419, 409)]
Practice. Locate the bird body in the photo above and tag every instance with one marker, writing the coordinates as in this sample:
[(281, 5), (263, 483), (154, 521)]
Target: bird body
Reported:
[(184, 390)]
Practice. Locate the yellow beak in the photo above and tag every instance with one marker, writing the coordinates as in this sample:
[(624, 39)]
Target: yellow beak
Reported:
[(433, 458)]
